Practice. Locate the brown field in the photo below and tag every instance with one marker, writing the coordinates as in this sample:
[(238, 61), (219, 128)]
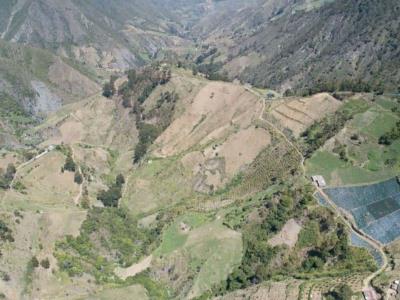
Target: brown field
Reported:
[(45, 184), (298, 114), (97, 121), (35, 234), (219, 163), (215, 110)]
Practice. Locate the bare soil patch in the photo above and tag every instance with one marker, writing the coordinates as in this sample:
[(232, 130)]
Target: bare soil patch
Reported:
[(124, 273), (217, 107), (287, 236)]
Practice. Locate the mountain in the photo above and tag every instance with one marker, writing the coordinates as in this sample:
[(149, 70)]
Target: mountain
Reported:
[(304, 44), (34, 82), (105, 34), (199, 149)]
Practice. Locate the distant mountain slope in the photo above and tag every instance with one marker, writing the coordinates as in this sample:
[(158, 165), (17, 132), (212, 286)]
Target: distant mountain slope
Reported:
[(108, 34), (291, 44), (34, 82)]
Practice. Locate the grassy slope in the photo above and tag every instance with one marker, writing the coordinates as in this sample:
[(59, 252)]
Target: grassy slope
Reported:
[(367, 160)]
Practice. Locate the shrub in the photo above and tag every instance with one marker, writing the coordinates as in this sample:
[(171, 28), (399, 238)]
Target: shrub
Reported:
[(45, 263), (34, 262), (69, 164), (78, 177)]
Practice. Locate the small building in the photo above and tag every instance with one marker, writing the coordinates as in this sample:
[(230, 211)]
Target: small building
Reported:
[(319, 181)]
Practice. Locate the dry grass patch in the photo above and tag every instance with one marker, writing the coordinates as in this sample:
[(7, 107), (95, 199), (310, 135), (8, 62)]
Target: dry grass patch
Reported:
[(285, 290), (44, 184), (97, 121), (215, 109)]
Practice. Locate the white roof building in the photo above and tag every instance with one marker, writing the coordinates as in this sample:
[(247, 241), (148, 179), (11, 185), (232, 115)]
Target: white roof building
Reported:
[(319, 180)]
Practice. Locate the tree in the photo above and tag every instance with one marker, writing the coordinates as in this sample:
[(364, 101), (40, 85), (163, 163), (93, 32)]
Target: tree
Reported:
[(34, 262), (110, 197), (108, 90), (69, 164), (45, 263), (195, 71), (119, 180), (78, 177), (132, 77), (10, 173)]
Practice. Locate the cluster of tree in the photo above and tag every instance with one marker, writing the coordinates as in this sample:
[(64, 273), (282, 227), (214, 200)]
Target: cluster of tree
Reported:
[(140, 84), (203, 56), (212, 71), (389, 137), (7, 176), (69, 164), (111, 196), (78, 178), (167, 97), (148, 133), (123, 243), (109, 87), (5, 232), (34, 263)]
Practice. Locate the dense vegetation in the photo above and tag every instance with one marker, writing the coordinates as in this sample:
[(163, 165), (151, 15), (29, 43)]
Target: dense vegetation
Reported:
[(147, 135), (355, 86), (109, 237), (111, 196), (322, 247)]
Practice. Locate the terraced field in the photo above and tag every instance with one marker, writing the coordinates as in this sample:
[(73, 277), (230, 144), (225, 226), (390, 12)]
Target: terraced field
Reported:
[(296, 115)]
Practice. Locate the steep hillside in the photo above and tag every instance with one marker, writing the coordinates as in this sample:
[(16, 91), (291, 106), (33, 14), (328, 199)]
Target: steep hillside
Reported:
[(105, 34), (297, 45), (35, 82), (134, 166)]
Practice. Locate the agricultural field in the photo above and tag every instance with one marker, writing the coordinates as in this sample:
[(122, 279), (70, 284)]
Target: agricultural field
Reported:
[(198, 246), (375, 208), (297, 114), (354, 155)]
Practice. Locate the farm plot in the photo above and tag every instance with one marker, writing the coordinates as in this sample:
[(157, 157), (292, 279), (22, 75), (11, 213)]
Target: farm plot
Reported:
[(298, 114), (375, 207)]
